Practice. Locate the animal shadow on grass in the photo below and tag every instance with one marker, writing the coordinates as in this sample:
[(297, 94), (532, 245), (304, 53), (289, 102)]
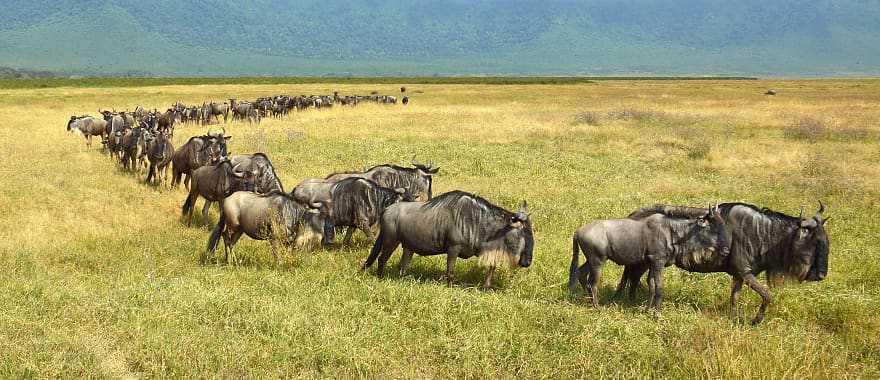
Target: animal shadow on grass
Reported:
[(608, 297), (432, 271)]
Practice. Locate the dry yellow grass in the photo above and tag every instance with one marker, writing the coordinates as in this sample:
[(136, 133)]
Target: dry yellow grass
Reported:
[(101, 278)]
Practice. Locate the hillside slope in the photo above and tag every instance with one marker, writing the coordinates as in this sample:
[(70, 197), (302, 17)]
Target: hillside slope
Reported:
[(272, 37)]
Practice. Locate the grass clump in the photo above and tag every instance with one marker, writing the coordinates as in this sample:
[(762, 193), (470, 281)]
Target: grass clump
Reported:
[(809, 129)]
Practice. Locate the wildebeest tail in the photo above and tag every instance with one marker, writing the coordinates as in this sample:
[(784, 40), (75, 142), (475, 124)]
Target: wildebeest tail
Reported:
[(575, 258), (377, 249), (215, 234)]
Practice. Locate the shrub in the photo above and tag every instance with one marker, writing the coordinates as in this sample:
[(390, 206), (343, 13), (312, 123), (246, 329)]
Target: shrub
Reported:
[(589, 118)]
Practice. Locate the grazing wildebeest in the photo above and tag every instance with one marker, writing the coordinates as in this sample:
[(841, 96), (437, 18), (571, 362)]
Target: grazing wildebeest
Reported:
[(274, 216), (770, 92), (88, 126), (656, 241), (405, 100), (197, 152), (358, 203), (265, 178), (760, 240), (459, 224), (214, 183), (402, 89), (159, 155)]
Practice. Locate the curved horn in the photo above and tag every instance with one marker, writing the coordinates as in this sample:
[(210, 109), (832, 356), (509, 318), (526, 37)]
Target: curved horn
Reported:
[(413, 161), (316, 204), (821, 207), (802, 212)]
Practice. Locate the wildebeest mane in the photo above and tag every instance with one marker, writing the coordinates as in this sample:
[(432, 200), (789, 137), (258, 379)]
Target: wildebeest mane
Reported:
[(678, 212), (343, 172)]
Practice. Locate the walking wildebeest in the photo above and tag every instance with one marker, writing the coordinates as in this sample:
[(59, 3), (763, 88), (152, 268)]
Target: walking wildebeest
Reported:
[(160, 158), (134, 148), (359, 203), (459, 224), (265, 178), (760, 240), (656, 241), (197, 152), (267, 217), (88, 126), (214, 183)]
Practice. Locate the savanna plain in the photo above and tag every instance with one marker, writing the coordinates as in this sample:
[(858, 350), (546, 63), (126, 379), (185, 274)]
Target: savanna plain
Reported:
[(101, 278)]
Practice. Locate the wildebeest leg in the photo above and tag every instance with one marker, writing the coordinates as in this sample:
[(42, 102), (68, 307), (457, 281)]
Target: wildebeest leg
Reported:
[(205, 210), (735, 288), (365, 227), (404, 261), (761, 290), (451, 256), (487, 284), (595, 277), (229, 239), (383, 259), (349, 231), (656, 276), (165, 176)]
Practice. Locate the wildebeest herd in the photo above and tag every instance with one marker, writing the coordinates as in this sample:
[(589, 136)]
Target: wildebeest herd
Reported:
[(739, 239)]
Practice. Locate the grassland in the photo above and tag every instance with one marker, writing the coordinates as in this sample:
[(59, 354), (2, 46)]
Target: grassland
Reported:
[(101, 278)]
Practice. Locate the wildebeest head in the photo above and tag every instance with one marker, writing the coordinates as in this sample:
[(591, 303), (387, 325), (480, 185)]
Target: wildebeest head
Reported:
[(515, 240), (809, 251), (710, 233), (427, 171), (69, 123)]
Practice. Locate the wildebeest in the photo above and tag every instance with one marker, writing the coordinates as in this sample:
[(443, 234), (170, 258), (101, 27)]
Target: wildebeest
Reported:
[(760, 240), (134, 148), (196, 152), (459, 224), (215, 110), (214, 183), (417, 181), (159, 155), (654, 242), (405, 100), (770, 92), (88, 126), (265, 178), (274, 216), (358, 203)]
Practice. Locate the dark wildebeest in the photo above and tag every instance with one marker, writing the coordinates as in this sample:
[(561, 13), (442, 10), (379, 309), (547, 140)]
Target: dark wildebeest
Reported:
[(214, 183), (358, 203), (265, 178), (760, 240), (458, 224), (165, 121), (159, 156), (274, 216), (195, 153), (654, 242), (402, 89), (405, 100), (88, 126)]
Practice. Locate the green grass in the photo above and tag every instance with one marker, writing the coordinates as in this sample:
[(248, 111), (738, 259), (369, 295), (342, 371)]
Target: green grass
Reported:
[(101, 278)]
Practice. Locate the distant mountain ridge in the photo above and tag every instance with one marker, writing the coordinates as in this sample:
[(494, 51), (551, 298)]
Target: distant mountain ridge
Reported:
[(450, 37)]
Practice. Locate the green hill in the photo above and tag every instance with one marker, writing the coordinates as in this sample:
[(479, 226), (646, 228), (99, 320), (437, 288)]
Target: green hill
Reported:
[(332, 37)]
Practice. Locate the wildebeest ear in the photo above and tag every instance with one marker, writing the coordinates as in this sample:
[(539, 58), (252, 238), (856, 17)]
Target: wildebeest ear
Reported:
[(524, 207), (400, 190), (227, 137), (826, 220), (434, 170)]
